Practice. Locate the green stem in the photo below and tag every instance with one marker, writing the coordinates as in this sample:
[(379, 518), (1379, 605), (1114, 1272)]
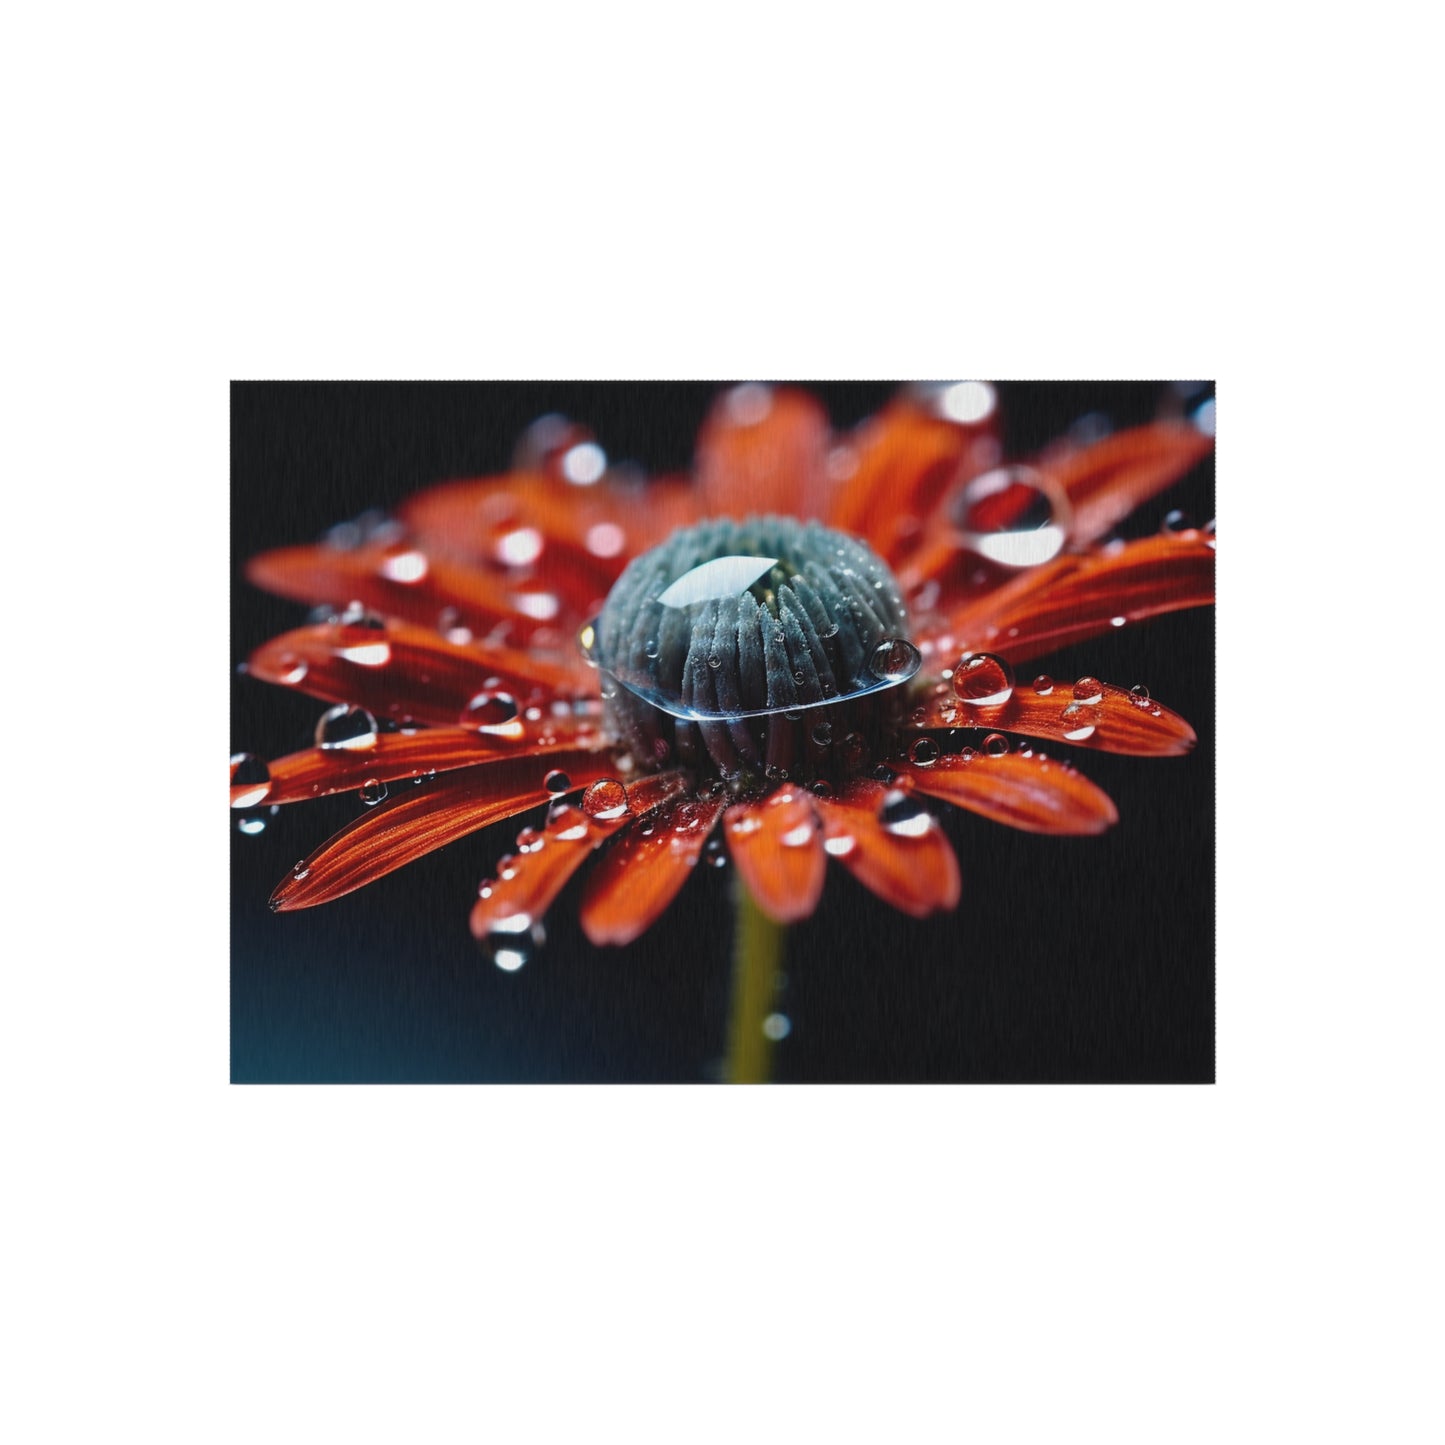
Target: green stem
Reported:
[(757, 957)]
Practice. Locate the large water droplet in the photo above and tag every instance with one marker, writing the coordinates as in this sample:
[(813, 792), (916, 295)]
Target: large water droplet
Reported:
[(557, 782), (1015, 516), (1043, 684), (489, 710), (983, 681), (1088, 690), (605, 800), (1139, 695), (923, 752), (344, 726), (904, 815), (512, 942), (373, 792), (1081, 721), (995, 745), (250, 773), (894, 660)]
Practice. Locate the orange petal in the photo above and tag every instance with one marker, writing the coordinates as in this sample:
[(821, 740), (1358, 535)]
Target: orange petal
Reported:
[(400, 672), (393, 757), (762, 451), (492, 521), (533, 879), (420, 585), (642, 872), (902, 461), (1038, 795), (778, 850), (420, 820), (1075, 598), (1106, 481), (912, 868), (1118, 722)]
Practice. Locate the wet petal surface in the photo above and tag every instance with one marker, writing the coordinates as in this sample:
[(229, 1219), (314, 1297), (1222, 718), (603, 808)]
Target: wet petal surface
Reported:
[(1038, 795), (777, 845)]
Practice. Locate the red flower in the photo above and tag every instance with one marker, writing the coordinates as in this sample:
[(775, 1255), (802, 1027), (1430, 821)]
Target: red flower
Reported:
[(463, 697)]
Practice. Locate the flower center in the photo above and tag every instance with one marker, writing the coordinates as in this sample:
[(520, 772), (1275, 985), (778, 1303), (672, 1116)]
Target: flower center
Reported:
[(765, 648)]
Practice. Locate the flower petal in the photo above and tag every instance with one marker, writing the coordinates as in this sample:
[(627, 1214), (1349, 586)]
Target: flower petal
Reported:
[(393, 757), (534, 879), (1078, 597), (1027, 791), (762, 451), (421, 820), (400, 672), (778, 849), (642, 872), (1106, 481), (903, 460), (1120, 721), (914, 870), (424, 586)]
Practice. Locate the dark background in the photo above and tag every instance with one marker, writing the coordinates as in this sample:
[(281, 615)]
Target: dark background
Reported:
[(1067, 959)]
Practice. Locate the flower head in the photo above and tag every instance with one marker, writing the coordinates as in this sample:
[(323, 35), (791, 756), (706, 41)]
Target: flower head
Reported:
[(790, 656)]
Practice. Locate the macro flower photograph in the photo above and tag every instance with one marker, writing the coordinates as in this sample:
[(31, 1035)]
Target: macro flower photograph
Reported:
[(722, 732)]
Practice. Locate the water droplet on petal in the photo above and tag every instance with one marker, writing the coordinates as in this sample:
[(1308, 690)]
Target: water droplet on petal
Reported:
[(557, 782), (1175, 522), (1080, 721), (344, 726), (748, 404), (512, 942), (489, 710), (1014, 516), (605, 799), (995, 745), (777, 1027), (1139, 695), (822, 732), (715, 853), (530, 840), (250, 773), (291, 669), (373, 792), (983, 681), (923, 752), (895, 660), (1043, 684), (904, 815), (840, 845), (1088, 690), (800, 836)]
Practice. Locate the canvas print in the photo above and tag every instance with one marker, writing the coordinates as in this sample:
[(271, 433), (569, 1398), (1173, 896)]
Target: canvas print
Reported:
[(702, 732)]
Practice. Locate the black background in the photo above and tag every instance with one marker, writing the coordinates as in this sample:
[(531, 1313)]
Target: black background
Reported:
[(1067, 960)]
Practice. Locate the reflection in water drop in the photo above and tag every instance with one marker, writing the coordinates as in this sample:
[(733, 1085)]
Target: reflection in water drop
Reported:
[(894, 660), (489, 710), (1043, 684), (903, 815), (983, 681), (1014, 516), (373, 792), (605, 799), (1080, 722), (1139, 695), (995, 745), (557, 782), (1088, 690), (343, 726), (923, 752)]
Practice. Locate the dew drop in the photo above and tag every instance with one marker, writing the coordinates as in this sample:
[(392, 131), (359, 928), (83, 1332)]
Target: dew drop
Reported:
[(530, 840), (1014, 516), (489, 710), (904, 815), (557, 782), (373, 792), (651, 647), (983, 681), (840, 845), (715, 854), (800, 836), (1139, 695), (822, 733), (1175, 522), (344, 726), (777, 1027), (1043, 684), (966, 755), (995, 745), (895, 660), (714, 661), (250, 773), (605, 800), (1088, 690), (923, 752), (1080, 722), (290, 669), (512, 942)]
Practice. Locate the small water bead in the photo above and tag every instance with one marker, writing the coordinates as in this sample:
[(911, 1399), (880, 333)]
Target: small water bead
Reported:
[(903, 815), (605, 800), (354, 614), (1139, 695), (1088, 690), (996, 745), (1175, 522), (800, 836), (885, 774), (822, 788), (777, 1027), (983, 681), (373, 791), (249, 772), (530, 840), (895, 660), (1043, 684), (822, 733), (715, 853), (966, 755), (512, 942), (923, 752), (291, 669), (490, 710), (557, 782), (651, 647), (344, 726), (1080, 722)]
